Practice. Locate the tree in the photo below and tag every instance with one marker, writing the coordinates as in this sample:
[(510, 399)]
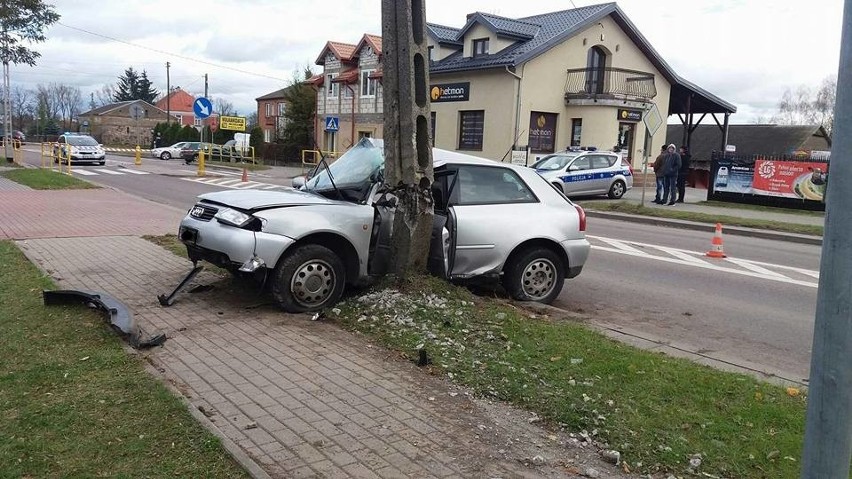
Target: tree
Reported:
[(134, 86), (297, 132), (224, 107), (808, 106), (23, 22), (104, 96)]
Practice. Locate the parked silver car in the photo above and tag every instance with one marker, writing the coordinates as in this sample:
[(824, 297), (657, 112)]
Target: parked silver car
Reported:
[(168, 152), (579, 173), (491, 220)]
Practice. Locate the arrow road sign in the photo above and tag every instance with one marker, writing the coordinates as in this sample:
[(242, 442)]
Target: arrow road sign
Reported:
[(202, 107), (332, 123)]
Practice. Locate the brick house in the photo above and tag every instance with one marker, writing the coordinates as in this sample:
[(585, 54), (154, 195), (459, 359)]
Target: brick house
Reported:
[(114, 124), (179, 104), (349, 93), (270, 114)]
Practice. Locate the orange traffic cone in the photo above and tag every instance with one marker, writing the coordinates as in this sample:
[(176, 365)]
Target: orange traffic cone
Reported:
[(716, 250), (245, 175)]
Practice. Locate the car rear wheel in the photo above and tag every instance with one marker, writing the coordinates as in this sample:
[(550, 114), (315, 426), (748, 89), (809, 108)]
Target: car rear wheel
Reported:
[(617, 189), (308, 279), (165, 156), (535, 275)]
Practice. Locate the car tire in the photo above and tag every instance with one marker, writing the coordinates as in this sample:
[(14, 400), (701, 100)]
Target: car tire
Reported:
[(617, 190), (310, 278), (536, 274), (165, 156)]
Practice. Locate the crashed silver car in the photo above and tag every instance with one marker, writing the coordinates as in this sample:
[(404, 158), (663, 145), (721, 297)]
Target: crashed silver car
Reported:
[(492, 220)]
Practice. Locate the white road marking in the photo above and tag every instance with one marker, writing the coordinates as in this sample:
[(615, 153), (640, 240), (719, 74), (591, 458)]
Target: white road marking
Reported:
[(84, 172), (755, 269), (136, 172), (109, 172), (234, 184)]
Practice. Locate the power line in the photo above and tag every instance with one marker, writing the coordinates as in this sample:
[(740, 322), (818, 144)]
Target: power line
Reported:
[(113, 39)]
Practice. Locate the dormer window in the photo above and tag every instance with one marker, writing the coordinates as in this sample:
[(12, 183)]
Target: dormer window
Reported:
[(480, 47), (368, 51)]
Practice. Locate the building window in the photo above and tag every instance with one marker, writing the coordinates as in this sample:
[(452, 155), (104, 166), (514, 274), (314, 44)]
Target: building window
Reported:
[(471, 129), (480, 47), (365, 134), (268, 110), (330, 141), (431, 50), (198, 122), (282, 108), (434, 121), (267, 136), (179, 118), (368, 85), (576, 131), (348, 91), (596, 70), (331, 88)]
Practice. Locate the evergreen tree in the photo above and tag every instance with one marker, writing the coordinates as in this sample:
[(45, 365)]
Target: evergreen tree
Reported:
[(134, 86), (299, 115)]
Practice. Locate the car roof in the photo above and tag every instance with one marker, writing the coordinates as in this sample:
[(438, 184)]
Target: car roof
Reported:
[(442, 157)]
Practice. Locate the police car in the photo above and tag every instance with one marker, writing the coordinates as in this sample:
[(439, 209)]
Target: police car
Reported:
[(584, 172)]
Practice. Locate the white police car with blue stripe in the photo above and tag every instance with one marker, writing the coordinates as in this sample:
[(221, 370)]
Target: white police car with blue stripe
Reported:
[(578, 173)]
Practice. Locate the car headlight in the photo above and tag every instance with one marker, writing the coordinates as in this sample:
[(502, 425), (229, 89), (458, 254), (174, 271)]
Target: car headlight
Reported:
[(233, 217)]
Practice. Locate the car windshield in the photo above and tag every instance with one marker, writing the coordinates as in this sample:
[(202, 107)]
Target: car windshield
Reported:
[(81, 141), (554, 162), (362, 164)]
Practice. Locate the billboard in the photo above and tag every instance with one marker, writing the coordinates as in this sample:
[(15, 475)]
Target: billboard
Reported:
[(790, 179)]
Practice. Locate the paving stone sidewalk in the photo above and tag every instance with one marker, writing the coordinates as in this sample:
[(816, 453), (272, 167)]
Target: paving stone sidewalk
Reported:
[(304, 398)]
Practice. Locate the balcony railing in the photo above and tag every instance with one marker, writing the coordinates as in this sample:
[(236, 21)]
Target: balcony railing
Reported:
[(609, 83)]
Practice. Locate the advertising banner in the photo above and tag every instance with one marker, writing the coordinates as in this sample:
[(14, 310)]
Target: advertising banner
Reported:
[(790, 179), (542, 132), (733, 177), (450, 92)]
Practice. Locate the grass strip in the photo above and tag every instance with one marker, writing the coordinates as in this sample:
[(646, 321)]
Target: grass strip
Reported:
[(45, 179), (633, 208), (658, 411), (73, 403)]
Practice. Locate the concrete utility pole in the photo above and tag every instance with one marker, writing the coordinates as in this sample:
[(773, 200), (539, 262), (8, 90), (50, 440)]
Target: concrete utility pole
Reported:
[(408, 151), (828, 429)]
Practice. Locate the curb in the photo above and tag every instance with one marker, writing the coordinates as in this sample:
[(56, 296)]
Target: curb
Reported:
[(244, 460), (694, 225)]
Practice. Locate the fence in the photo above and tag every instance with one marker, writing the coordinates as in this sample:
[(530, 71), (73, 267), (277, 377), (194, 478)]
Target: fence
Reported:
[(796, 180)]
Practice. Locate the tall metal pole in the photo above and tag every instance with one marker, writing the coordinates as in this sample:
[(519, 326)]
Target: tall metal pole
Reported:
[(205, 96), (168, 96), (828, 429), (8, 149)]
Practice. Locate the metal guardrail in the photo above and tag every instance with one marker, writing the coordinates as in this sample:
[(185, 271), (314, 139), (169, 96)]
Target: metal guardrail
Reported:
[(583, 83)]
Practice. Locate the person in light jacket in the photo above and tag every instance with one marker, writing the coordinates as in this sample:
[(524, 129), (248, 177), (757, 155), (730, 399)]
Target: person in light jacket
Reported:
[(671, 168)]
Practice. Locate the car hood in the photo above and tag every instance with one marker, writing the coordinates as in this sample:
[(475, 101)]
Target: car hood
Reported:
[(258, 200), (550, 173)]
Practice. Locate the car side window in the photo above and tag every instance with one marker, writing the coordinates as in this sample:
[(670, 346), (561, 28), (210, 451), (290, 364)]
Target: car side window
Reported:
[(581, 163), (487, 185), (602, 161)]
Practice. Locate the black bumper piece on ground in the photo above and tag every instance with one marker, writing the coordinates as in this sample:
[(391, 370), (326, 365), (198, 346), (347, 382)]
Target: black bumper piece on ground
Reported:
[(119, 316)]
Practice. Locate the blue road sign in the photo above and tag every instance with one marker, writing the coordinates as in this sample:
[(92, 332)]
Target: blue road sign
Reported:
[(332, 123), (202, 107)]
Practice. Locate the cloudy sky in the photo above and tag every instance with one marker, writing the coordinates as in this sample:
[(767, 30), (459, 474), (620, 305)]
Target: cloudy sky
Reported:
[(746, 51)]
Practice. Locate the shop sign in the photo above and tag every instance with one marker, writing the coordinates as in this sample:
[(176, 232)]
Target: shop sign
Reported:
[(450, 92), (790, 179), (625, 114), (542, 132)]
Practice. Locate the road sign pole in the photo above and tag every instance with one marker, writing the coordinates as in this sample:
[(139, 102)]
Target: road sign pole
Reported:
[(828, 428), (646, 148)]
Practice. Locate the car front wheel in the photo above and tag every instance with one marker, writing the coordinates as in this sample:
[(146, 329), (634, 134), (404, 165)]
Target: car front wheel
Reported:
[(165, 156), (617, 190), (535, 275), (308, 279)]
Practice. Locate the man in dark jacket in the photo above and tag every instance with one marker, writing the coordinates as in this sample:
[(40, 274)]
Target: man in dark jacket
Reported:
[(671, 167), (658, 174), (683, 173)]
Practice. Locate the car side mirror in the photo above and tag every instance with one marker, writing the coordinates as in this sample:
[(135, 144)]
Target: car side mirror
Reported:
[(298, 182)]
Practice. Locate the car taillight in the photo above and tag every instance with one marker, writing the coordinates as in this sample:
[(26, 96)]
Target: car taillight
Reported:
[(582, 214)]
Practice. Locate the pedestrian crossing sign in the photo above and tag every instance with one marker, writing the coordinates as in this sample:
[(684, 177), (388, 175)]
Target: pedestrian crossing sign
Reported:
[(332, 123)]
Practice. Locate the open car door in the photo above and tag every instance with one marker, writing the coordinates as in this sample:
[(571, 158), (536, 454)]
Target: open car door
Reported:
[(443, 243)]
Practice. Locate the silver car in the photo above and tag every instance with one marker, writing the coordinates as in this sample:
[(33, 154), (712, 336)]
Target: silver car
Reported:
[(492, 220), (168, 152), (579, 173)]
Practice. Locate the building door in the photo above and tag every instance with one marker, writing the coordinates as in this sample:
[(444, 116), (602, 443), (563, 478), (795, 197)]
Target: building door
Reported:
[(330, 141), (595, 70), (626, 137)]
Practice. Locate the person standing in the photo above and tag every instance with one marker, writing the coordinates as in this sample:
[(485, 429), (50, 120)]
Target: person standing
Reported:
[(659, 174), (683, 173), (671, 167)]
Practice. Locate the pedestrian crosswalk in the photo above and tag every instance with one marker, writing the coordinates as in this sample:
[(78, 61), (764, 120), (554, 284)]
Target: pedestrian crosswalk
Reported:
[(236, 184), (106, 171), (756, 269)]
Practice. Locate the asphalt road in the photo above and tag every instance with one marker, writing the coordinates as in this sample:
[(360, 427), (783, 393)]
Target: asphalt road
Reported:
[(754, 309), (758, 313)]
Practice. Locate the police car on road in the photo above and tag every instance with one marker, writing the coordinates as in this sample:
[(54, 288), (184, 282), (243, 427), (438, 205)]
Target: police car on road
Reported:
[(584, 172)]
